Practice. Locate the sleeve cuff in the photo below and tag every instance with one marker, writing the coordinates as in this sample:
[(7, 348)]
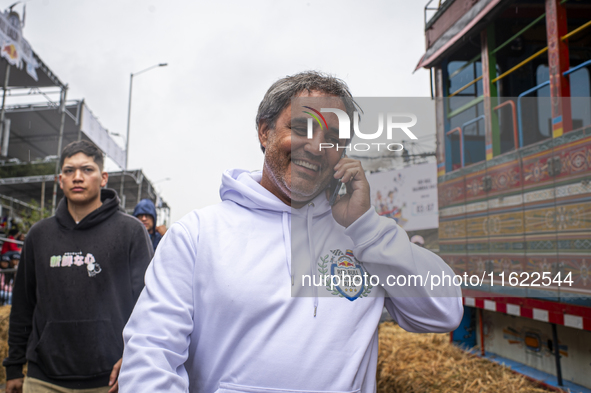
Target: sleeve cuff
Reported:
[(14, 372)]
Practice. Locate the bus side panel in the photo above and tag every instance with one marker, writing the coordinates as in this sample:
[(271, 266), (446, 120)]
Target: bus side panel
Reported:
[(530, 342), (539, 220), (452, 221)]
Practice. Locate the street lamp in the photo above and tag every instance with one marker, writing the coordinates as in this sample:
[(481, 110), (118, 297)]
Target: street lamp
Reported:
[(161, 180), (128, 123), (129, 106)]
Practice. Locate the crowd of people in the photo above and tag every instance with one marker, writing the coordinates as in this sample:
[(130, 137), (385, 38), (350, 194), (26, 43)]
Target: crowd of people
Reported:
[(97, 308)]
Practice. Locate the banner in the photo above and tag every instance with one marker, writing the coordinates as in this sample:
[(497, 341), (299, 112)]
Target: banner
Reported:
[(407, 195), (91, 127), (14, 48)]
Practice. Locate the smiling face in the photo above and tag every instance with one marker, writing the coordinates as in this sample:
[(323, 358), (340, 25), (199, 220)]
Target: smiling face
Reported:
[(295, 169), (81, 179)]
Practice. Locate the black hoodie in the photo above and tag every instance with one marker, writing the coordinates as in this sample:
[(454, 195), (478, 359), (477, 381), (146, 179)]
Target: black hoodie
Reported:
[(76, 286)]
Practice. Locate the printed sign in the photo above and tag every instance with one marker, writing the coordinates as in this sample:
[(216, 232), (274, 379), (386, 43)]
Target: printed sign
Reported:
[(13, 47), (407, 195)]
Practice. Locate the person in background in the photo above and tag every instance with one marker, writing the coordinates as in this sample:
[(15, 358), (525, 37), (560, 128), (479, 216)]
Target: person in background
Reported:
[(418, 240), (145, 211), (8, 261), (5, 262), (13, 234), (81, 273)]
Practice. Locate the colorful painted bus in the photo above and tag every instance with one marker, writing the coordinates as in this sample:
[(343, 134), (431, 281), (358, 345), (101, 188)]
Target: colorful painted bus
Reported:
[(511, 79)]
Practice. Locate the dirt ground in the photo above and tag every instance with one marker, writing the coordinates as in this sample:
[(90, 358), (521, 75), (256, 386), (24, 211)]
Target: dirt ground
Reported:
[(411, 362), (4, 315)]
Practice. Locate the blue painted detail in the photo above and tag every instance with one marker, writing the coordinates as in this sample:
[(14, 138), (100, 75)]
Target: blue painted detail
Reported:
[(508, 290), (519, 122), (446, 123), (535, 88), (476, 152), (465, 334), (475, 120), (575, 299), (551, 296), (570, 71), (535, 374)]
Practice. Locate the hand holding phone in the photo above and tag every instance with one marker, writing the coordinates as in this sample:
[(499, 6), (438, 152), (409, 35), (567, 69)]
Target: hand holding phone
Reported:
[(347, 208), (335, 186)]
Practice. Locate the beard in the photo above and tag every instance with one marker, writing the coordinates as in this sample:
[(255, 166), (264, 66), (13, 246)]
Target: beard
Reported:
[(294, 183)]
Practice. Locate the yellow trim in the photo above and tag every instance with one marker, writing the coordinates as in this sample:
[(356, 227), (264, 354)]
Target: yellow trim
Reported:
[(542, 51), (465, 86), (575, 31), (524, 62)]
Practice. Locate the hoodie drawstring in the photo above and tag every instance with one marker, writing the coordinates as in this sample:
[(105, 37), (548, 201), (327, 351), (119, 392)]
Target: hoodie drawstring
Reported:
[(287, 243), (312, 255)]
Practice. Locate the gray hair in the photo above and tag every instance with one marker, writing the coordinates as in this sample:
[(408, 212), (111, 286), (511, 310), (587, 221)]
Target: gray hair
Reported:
[(279, 95)]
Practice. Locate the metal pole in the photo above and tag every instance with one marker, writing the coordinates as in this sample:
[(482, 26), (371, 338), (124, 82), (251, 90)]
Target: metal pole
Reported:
[(482, 351), (129, 107), (557, 354), (80, 103), (126, 144), (128, 123), (431, 81), (42, 197), (121, 188), (59, 147), (5, 86), (6, 137), (139, 189)]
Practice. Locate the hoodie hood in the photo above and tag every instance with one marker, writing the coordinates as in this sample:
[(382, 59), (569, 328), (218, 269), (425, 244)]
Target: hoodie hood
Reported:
[(109, 207), (146, 206), (244, 188)]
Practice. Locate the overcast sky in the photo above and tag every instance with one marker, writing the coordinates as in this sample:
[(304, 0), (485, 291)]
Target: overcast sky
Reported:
[(195, 118)]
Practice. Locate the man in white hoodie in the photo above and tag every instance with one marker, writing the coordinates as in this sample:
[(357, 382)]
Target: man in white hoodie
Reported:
[(237, 314)]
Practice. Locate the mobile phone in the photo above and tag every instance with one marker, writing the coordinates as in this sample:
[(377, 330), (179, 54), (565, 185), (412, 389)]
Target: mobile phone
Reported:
[(335, 186)]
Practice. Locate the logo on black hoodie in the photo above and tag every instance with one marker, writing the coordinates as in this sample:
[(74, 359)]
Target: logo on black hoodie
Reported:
[(76, 259)]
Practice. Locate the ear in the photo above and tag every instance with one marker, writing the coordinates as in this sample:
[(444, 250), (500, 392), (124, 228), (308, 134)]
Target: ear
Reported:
[(60, 181), (264, 133), (105, 178)]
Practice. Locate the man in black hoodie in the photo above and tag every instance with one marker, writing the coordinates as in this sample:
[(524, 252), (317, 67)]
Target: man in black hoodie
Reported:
[(80, 275)]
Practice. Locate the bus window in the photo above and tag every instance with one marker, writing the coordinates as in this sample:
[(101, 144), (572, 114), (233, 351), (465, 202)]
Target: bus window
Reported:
[(581, 103)]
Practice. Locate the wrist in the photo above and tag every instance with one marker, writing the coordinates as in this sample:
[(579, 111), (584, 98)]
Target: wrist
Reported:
[(14, 372)]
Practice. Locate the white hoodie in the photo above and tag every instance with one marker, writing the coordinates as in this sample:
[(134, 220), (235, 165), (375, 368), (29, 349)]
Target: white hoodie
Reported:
[(217, 313)]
